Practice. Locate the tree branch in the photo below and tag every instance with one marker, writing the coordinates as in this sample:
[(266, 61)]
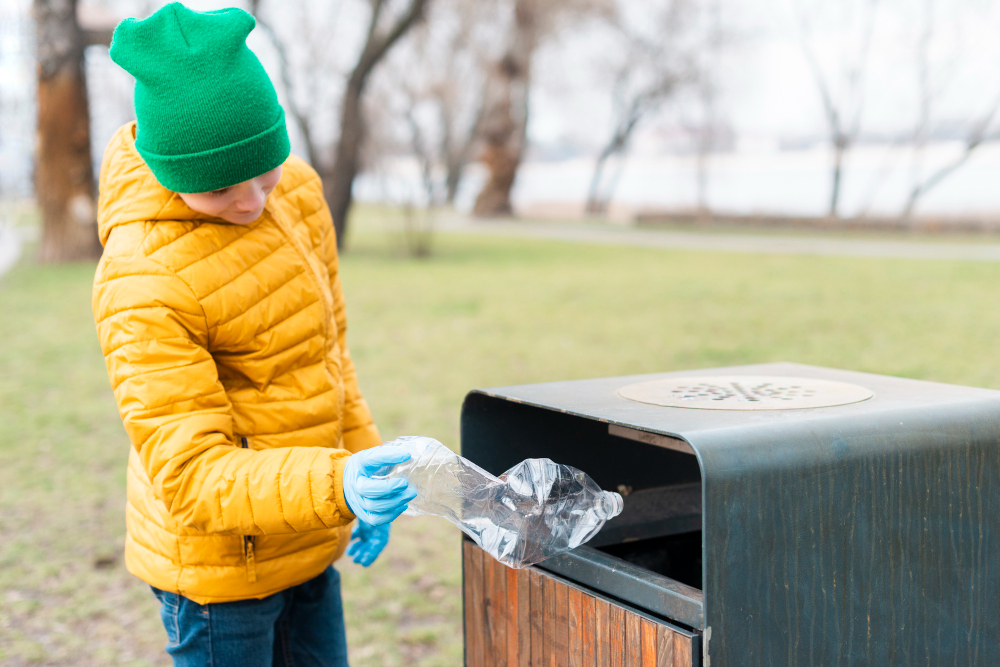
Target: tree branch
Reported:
[(976, 137), (286, 81), (97, 36), (829, 106), (376, 47)]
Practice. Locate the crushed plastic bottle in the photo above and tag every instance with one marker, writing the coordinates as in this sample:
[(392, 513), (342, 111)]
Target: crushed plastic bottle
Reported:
[(534, 511)]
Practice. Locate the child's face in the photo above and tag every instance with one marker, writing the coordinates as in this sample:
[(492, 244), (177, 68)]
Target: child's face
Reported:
[(239, 204)]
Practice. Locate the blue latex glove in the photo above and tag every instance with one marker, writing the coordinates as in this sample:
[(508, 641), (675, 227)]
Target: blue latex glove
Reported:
[(367, 542), (376, 501)]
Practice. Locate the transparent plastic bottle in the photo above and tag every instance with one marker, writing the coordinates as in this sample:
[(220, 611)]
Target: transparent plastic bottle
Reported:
[(534, 511)]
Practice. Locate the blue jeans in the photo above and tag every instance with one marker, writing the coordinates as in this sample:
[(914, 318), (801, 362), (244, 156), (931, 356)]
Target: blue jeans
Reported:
[(302, 626)]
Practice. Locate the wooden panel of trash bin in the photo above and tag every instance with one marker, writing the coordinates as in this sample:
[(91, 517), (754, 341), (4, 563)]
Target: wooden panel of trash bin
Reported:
[(529, 618)]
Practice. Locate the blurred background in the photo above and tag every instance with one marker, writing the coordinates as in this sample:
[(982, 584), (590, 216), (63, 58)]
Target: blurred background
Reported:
[(524, 190)]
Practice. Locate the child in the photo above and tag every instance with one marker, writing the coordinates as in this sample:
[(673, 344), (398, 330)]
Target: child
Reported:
[(219, 311)]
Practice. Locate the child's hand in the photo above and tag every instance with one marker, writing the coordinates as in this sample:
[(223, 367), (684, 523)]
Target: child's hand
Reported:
[(367, 542), (376, 501)]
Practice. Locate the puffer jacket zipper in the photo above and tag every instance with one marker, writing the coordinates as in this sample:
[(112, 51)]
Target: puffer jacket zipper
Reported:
[(304, 254), (248, 540), (325, 297)]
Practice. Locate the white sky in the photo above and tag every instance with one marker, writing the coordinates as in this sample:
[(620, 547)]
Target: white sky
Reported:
[(767, 86), (767, 90)]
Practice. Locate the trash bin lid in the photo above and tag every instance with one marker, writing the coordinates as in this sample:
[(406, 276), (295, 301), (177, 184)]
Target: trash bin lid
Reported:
[(745, 392)]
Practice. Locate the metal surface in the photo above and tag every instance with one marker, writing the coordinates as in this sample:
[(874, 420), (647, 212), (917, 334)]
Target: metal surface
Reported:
[(745, 392), (664, 441), (858, 534), (642, 588)]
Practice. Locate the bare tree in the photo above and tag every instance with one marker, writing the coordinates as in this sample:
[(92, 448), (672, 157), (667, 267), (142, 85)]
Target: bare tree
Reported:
[(504, 123), (841, 93), (443, 70), (978, 133), (629, 110), (338, 186), (419, 232), (930, 84), (708, 97), (978, 130), (924, 90), (64, 176), (405, 123), (385, 28), (655, 60), (458, 140), (428, 97), (295, 109), (457, 150)]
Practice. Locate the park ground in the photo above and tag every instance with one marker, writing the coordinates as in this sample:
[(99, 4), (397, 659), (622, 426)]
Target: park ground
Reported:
[(480, 311)]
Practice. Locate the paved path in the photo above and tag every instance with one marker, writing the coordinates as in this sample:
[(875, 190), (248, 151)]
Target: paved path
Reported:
[(10, 248), (987, 251)]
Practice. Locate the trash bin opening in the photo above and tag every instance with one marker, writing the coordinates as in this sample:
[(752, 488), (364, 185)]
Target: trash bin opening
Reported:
[(674, 556)]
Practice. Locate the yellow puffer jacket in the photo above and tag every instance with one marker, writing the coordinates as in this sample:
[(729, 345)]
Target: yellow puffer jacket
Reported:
[(225, 348)]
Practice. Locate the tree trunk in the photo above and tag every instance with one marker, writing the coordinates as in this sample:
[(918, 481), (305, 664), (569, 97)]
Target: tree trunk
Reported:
[(977, 135), (452, 180), (597, 205), (702, 211), (64, 176), (921, 189), (505, 115), (338, 186), (457, 157), (599, 200), (839, 145)]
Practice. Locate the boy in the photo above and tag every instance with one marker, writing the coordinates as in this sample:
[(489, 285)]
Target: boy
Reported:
[(220, 314)]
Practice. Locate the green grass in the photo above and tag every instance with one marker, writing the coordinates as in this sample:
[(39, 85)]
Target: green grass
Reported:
[(480, 312)]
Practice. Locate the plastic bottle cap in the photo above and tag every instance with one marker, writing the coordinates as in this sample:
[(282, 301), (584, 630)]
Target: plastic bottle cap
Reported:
[(611, 505)]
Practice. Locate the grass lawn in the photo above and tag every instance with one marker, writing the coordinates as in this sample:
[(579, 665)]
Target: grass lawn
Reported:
[(480, 312)]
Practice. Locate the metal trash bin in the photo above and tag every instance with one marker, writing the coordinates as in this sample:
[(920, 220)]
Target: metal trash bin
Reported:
[(786, 515)]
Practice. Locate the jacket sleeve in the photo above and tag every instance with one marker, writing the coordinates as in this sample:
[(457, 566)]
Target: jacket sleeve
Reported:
[(360, 431), (154, 336)]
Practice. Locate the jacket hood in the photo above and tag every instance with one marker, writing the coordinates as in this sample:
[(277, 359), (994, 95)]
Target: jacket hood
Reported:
[(130, 193)]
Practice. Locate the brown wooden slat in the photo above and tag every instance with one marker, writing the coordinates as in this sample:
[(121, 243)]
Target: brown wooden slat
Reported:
[(616, 632), (549, 638), (525, 618), (633, 640), (537, 597), (682, 650), (474, 628), (664, 646), (562, 625), (575, 631), (648, 641), (486, 615), (489, 650), (467, 599), (588, 631), (497, 607), (486, 641), (523, 584), (484, 610), (602, 632), (510, 615)]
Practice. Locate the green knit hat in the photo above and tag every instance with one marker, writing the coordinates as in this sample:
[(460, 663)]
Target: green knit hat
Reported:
[(208, 116)]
